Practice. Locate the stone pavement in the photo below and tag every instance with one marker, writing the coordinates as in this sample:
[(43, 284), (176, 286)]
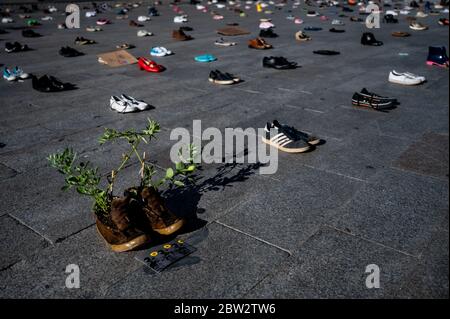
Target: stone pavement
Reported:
[(375, 193)]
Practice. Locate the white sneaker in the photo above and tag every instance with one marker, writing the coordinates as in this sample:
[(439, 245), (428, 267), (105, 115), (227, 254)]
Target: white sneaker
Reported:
[(52, 9), (404, 12), (141, 105), (405, 78), (180, 19), (7, 20), (417, 26), (121, 106), (394, 13), (47, 18), (337, 22), (18, 73), (160, 51), (144, 33), (421, 14), (90, 14), (143, 18)]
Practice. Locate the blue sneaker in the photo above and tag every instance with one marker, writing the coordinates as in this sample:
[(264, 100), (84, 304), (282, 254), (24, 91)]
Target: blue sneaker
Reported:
[(18, 73), (7, 75), (205, 58)]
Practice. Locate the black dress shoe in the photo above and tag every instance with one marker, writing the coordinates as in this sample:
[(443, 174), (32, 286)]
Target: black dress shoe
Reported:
[(369, 39), (50, 84), (267, 33), (30, 34), (69, 52), (326, 52), (337, 30), (278, 63)]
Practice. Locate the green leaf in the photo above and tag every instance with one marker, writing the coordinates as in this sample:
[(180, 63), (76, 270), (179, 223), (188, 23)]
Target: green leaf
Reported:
[(178, 183), (191, 168), (169, 173), (179, 166)]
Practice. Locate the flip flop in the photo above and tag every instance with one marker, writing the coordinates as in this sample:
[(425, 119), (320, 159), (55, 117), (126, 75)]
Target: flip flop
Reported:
[(205, 58)]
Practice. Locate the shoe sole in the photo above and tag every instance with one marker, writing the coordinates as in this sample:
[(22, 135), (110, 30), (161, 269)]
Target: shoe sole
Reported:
[(287, 150), (171, 229), (130, 245), (437, 64), (225, 82), (402, 83)]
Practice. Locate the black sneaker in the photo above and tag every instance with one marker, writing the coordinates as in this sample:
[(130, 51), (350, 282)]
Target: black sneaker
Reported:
[(364, 100), (83, 41), (310, 139), (366, 92), (267, 33), (30, 34), (218, 77), (281, 138), (389, 18), (69, 52), (15, 47), (278, 63)]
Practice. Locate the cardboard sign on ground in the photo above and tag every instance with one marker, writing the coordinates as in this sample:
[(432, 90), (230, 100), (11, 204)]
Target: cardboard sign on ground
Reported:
[(117, 58), (232, 31), (162, 256)]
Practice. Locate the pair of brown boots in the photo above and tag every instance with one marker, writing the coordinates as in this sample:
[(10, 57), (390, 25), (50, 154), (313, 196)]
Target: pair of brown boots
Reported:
[(134, 217)]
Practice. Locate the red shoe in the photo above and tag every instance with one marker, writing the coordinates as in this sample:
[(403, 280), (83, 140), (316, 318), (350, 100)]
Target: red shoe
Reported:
[(149, 65)]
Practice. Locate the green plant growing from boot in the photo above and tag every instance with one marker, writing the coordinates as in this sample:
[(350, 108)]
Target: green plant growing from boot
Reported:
[(86, 179)]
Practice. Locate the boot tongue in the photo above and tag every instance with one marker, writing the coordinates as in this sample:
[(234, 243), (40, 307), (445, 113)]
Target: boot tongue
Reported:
[(364, 90), (276, 124)]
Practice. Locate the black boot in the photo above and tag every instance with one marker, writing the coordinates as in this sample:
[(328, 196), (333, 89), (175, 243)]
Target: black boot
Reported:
[(369, 39)]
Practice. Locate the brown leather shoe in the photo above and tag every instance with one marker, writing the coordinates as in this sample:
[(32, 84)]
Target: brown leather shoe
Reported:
[(162, 220), (133, 23), (180, 35), (259, 44), (122, 231), (400, 34)]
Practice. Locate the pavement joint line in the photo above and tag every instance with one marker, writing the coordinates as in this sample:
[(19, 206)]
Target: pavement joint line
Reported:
[(336, 173), (31, 228), (304, 108), (61, 239), (443, 179), (254, 237), (374, 242), (313, 110), (249, 91)]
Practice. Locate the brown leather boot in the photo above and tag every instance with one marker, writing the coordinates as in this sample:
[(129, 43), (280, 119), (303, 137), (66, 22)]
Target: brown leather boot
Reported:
[(123, 232), (259, 44), (180, 35), (161, 219)]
